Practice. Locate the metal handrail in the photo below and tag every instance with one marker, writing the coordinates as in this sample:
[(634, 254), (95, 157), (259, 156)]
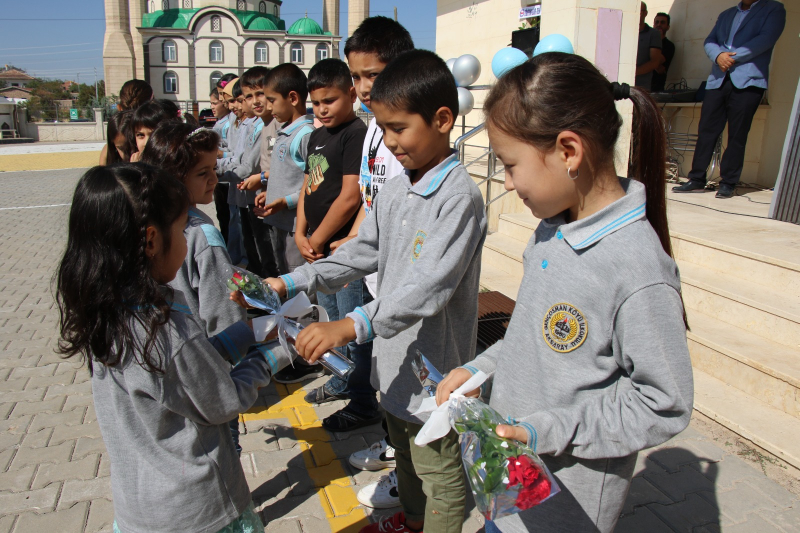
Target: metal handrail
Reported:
[(459, 144)]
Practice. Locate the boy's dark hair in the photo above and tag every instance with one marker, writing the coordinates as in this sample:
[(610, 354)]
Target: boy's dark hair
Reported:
[(255, 77), (417, 82), (134, 93), (225, 79), (286, 78), (236, 92), (382, 36), (175, 148), (669, 19), (108, 302), (214, 92), (119, 124), (330, 73)]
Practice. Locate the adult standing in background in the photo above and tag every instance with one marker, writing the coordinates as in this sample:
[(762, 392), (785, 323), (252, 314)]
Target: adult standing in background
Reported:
[(648, 55), (740, 47), (661, 23)]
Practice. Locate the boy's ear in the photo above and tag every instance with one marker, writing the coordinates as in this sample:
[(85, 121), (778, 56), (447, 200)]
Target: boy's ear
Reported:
[(443, 120), (353, 95)]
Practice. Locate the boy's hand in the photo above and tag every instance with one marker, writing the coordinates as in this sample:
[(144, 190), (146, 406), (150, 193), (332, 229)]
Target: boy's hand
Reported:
[(253, 183), (261, 199), (336, 244), (305, 248), (512, 432), (318, 247), (278, 285), (272, 208), (316, 339), (452, 381), (236, 296)]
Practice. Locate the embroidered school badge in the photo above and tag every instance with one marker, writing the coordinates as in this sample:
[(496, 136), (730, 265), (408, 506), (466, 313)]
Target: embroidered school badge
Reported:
[(419, 240), (564, 328)]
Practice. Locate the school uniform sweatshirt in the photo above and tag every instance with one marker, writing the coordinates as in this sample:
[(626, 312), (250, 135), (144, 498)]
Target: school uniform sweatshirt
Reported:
[(244, 162), (174, 467), (287, 170), (201, 277), (594, 364), (424, 241), (221, 127)]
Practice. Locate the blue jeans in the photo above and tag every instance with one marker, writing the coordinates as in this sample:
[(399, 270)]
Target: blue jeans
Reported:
[(235, 239), (491, 527), (357, 385)]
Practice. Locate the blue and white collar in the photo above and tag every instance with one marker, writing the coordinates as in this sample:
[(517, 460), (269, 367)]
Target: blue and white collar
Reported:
[(302, 121), (434, 178)]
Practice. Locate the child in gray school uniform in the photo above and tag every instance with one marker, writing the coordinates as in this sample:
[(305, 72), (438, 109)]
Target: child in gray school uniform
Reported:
[(423, 237), (594, 366), (161, 388)]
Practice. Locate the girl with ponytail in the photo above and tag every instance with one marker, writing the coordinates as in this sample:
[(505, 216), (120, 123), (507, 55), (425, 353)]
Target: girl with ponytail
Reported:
[(594, 366), (162, 389)]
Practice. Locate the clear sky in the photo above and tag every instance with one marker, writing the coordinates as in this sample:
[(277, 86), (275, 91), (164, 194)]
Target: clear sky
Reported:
[(57, 39)]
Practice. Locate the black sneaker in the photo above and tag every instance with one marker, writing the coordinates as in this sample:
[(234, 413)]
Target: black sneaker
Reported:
[(319, 396), (725, 191), (299, 372), (690, 186)]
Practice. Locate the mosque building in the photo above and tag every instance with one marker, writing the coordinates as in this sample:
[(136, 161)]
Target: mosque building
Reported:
[(181, 47)]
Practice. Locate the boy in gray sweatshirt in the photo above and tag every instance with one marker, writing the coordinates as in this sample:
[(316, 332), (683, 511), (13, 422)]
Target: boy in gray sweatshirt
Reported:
[(423, 237)]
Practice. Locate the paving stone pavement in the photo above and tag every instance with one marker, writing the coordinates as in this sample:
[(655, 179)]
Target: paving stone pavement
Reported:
[(54, 469)]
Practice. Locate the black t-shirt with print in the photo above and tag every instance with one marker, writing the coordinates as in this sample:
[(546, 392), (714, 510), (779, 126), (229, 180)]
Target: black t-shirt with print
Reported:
[(332, 154)]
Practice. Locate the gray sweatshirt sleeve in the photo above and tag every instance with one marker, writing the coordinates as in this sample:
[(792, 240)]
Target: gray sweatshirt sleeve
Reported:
[(233, 343), (302, 155), (205, 390), (486, 361), (216, 310), (649, 343)]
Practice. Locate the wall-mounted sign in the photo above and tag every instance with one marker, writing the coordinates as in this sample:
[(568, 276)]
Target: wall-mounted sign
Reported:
[(530, 11)]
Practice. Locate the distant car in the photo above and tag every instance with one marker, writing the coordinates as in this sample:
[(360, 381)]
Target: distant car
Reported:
[(207, 118)]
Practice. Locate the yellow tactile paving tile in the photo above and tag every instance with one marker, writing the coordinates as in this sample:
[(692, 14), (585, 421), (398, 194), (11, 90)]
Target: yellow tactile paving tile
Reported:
[(334, 485), (52, 161)]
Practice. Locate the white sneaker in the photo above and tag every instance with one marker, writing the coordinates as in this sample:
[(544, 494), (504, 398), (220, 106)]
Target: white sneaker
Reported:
[(382, 494), (376, 457)]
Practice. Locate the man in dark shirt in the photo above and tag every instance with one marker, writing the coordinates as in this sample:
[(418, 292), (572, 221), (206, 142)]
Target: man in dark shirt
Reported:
[(661, 23), (648, 55)]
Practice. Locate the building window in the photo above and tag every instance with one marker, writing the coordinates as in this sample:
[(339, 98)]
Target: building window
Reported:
[(216, 24), (187, 4), (262, 55), (262, 7), (170, 82), (215, 77), (241, 5), (215, 52), (152, 6), (297, 53), (169, 51), (165, 5), (322, 52)]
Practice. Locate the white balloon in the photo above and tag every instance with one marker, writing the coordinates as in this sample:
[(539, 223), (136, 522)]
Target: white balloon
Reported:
[(450, 62), (465, 101), (466, 70)]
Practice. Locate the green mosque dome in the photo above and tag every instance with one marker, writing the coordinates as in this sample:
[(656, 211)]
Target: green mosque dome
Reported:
[(305, 26)]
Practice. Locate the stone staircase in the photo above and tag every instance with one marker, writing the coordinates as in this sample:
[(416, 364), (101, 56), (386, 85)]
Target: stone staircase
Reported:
[(744, 313)]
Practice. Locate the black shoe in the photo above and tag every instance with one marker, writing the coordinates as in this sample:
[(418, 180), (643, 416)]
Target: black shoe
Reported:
[(690, 186), (319, 396), (725, 191), (299, 372), (347, 419)]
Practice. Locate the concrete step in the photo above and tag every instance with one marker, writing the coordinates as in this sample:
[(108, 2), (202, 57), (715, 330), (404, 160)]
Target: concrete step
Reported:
[(765, 426), (742, 303), (518, 225), (759, 367), (504, 253), (495, 279), (774, 273)]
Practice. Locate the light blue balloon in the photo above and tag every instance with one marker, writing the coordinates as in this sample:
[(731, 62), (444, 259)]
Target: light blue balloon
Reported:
[(554, 43), (506, 59)]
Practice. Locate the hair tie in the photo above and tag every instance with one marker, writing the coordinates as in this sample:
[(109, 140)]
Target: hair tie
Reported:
[(222, 84), (621, 91), (195, 132)]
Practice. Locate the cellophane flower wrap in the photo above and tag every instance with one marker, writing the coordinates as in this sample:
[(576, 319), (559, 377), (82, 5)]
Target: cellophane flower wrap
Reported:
[(254, 289), (506, 476)]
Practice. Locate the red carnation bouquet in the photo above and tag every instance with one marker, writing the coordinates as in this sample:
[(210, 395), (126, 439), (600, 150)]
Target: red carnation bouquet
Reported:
[(506, 476)]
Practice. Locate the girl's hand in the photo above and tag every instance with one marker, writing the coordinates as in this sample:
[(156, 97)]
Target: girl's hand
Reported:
[(236, 296), (316, 246), (453, 380), (316, 339), (512, 432), (278, 285), (252, 183), (336, 244)]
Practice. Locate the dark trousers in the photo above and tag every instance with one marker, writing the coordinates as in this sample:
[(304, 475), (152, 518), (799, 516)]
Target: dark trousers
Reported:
[(257, 244), (223, 211), (733, 106)]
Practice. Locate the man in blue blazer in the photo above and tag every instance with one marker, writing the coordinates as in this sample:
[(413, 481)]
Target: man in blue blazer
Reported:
[(740, 48)]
